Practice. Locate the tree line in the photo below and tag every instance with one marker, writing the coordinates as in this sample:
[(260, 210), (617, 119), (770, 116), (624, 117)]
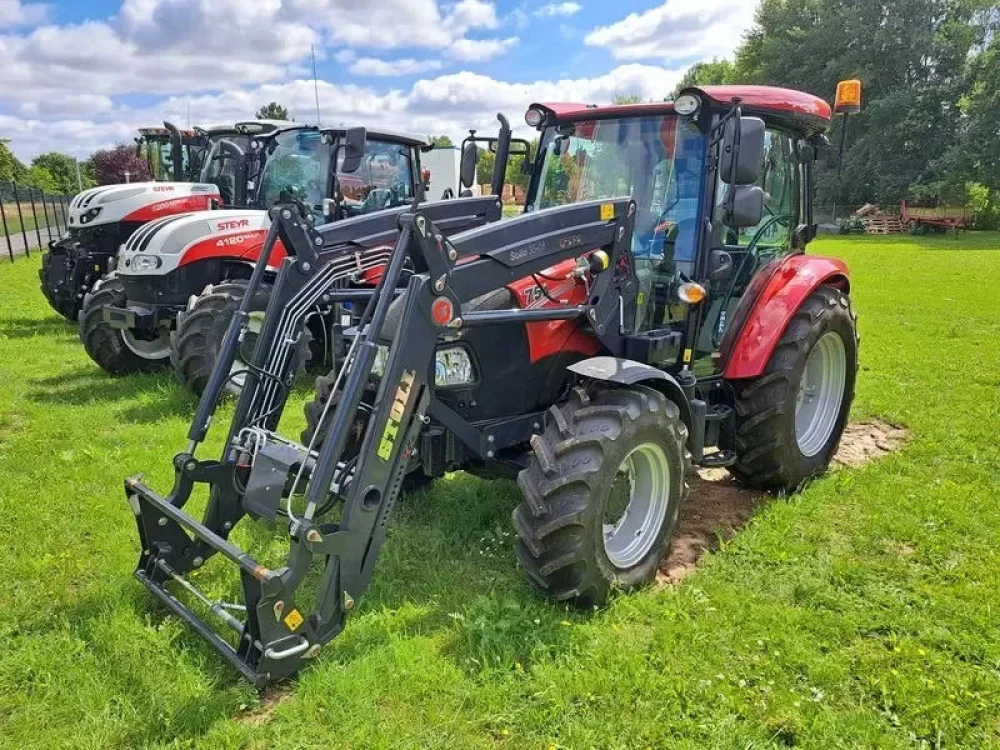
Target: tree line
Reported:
[(930, 69)]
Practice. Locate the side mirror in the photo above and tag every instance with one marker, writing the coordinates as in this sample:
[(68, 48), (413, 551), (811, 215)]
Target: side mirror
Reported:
[(467, 168), (354, 149), (744, 142), (744, 206)]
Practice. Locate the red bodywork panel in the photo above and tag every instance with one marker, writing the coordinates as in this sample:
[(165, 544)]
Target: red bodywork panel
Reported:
[(794, 280), (171, 206), (555, 336), (245, 245)]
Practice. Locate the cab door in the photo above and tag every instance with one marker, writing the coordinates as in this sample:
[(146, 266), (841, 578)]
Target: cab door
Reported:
[(740, 255)]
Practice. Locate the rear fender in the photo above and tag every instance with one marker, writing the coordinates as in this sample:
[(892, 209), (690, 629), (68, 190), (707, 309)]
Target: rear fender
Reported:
[(746, 353), (629, 372)]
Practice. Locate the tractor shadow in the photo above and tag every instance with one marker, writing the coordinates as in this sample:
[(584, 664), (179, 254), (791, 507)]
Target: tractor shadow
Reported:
[(718, 507), (140, 398), (26, 328)]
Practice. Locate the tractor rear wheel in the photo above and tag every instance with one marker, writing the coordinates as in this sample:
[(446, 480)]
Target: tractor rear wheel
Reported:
[(197, 338), (790, 419), (602, 492), (117, 351)]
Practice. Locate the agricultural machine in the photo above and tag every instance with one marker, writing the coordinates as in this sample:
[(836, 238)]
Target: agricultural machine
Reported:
[(179, 281), (652, 309), (102, 218)]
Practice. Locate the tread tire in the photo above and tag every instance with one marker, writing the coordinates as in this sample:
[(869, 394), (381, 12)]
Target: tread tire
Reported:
[(566, 485), (767, 454), (197, 337), (104, 344)]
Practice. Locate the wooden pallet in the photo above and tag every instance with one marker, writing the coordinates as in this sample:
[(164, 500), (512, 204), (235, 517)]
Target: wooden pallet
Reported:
[(884, 225)]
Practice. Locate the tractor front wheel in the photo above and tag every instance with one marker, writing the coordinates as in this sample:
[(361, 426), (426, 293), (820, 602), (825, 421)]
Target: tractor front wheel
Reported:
[(790, 419), (117, 351), (197, 339), (602, 492)]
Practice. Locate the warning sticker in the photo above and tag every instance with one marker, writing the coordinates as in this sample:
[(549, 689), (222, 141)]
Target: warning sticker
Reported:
[(607, 211), (294, 619)]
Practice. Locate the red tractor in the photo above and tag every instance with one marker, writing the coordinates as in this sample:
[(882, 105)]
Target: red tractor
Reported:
[(654, 308)]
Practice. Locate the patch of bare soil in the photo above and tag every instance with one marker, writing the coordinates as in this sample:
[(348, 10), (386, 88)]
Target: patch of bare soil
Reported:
[(718, 507), (260, 714), (866, 441)]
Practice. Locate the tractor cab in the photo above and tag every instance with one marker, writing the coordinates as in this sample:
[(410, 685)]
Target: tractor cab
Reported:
[(373, 170), (231, 159), (172, 154), (705, 226)]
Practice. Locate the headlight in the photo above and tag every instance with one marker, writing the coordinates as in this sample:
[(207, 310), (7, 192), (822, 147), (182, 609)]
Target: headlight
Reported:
[(452, 366), (687, 104), (144, 263), (90, 215)]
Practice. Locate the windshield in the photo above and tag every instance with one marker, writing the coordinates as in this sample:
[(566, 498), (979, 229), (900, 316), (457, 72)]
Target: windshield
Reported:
[(222, 164), (657, 160), (297, 168)]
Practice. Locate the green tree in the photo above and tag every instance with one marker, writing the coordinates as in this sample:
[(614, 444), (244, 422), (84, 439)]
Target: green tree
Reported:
[(272, 111), (41, 178), (912, 57), (63, 169), (713, 73), (440, 140), (11, 169), (484, 166), (629, 98)]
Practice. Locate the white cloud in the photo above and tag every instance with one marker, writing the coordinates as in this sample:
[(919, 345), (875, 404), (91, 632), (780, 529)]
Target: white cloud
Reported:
[(448, 104), (393, 24), (370, 66), (558, 9), (481, 50), (16, 13), (345, 56), (677, 29)]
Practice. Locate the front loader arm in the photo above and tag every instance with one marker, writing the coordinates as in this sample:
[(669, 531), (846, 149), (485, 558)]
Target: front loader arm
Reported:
[(275, 636)]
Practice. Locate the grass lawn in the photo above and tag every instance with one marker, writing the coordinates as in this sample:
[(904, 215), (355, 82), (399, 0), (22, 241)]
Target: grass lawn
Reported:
[(860, 613)]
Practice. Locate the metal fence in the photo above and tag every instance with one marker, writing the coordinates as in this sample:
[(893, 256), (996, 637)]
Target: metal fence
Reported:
[(29, 218)]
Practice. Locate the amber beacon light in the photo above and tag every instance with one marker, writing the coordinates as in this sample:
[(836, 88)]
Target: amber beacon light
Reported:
[(848, 100)]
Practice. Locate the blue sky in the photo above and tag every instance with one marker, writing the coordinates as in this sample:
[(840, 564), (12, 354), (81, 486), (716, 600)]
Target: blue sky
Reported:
[(80, 75)]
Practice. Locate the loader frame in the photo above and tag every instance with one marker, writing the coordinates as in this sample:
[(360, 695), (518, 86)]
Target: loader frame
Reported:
[(276, 638)]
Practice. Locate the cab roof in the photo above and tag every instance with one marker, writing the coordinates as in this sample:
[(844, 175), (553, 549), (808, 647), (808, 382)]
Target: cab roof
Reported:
[(807, 111)]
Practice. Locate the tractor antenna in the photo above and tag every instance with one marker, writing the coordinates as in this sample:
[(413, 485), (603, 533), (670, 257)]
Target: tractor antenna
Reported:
[(315, 84)]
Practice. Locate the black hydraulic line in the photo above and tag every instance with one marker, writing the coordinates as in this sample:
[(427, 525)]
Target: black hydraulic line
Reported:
[(333, 447), (227, 352)]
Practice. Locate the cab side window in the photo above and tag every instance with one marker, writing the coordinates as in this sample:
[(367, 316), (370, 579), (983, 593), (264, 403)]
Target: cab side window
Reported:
[(384, 179), (781, 180)]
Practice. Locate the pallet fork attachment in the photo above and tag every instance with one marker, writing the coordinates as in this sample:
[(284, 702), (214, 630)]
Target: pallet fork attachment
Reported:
[(260, 472)]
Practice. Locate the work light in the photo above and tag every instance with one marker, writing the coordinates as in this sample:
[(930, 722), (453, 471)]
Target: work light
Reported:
[(687, 104)]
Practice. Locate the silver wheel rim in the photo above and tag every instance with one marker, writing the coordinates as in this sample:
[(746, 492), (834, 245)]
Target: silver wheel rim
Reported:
[(821, 392), (158, 348), (637, 506)]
